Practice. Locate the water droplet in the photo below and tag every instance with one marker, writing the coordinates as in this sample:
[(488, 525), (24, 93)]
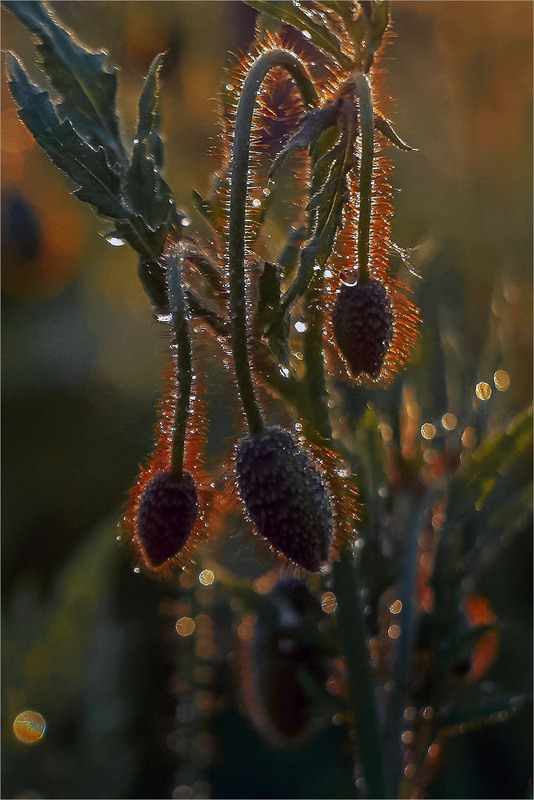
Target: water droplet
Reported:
[(396, 607), (284, 371), (29, 727), (483, 390), (501, 379), (137, 570), (469, 437), (256, 203), (394, 631), (165, 318), (206, 577), (185, 222), (301, 326), (306, 34), (428, 431), (449, 421), (185, 626), (115, 241), (328, 602)]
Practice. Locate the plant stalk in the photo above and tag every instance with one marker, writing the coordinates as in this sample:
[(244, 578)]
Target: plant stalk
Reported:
[(363, 91), (184, 357), (362, 701), (238, 197)]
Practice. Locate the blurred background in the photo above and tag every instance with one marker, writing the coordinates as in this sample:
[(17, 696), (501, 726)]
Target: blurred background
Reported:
[(88, 643)]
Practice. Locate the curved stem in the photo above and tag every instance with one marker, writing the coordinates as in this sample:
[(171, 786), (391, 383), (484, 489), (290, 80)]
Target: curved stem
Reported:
[(366, 173), (182, 340), (238, 196)]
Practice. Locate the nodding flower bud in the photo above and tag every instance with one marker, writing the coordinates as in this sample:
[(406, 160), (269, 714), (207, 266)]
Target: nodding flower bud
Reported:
[(285, 496), (167, 513), (363, 326)]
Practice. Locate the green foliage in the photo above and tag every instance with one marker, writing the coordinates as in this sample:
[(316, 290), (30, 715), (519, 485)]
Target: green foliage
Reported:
[(80, 132), (88, 168)]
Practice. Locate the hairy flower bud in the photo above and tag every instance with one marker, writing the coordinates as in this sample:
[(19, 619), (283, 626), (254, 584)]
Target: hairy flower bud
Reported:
[(363, 326), (285, 497), (167, 512)]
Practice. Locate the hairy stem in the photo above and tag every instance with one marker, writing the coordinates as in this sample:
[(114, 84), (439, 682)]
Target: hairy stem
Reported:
[(366, 173), (238, 196), (346, 584), (182, 340)]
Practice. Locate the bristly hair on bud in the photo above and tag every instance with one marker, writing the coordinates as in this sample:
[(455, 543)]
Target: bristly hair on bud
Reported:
[(285, 496), (363, 326)]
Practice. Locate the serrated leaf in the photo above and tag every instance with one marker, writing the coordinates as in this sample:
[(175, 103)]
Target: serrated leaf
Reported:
[(291, 14), (86, 166), (149, 122), (146, 192), (147, 243), (79, 76)]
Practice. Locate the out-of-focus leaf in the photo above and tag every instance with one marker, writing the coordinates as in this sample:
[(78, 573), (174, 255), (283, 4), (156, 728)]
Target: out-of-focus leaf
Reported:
[(461, 646), (86, 166), (371, 467), (293, 15), (477, 477), (86, 88)]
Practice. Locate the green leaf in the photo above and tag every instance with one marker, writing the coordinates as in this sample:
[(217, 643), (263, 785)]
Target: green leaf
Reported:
[(313, 126), (79, 76), (293, 15), (86, 166), (377, 20), (149, 122), (269, 317), (146, 193), (385, 128)]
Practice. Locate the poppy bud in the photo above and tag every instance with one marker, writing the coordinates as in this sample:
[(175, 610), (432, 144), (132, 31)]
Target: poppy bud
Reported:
[(167, 512), (285, 497), (363, 326)]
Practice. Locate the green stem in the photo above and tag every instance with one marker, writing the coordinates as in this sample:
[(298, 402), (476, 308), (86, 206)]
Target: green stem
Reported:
[(353, 635), (394, 722), (346, 586), (182, 340), (366, 173), (238, 197)]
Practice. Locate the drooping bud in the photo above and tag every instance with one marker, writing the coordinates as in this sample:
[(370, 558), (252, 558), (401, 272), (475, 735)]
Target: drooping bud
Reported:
[(363, 326), (167, 513), (285, 496)]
